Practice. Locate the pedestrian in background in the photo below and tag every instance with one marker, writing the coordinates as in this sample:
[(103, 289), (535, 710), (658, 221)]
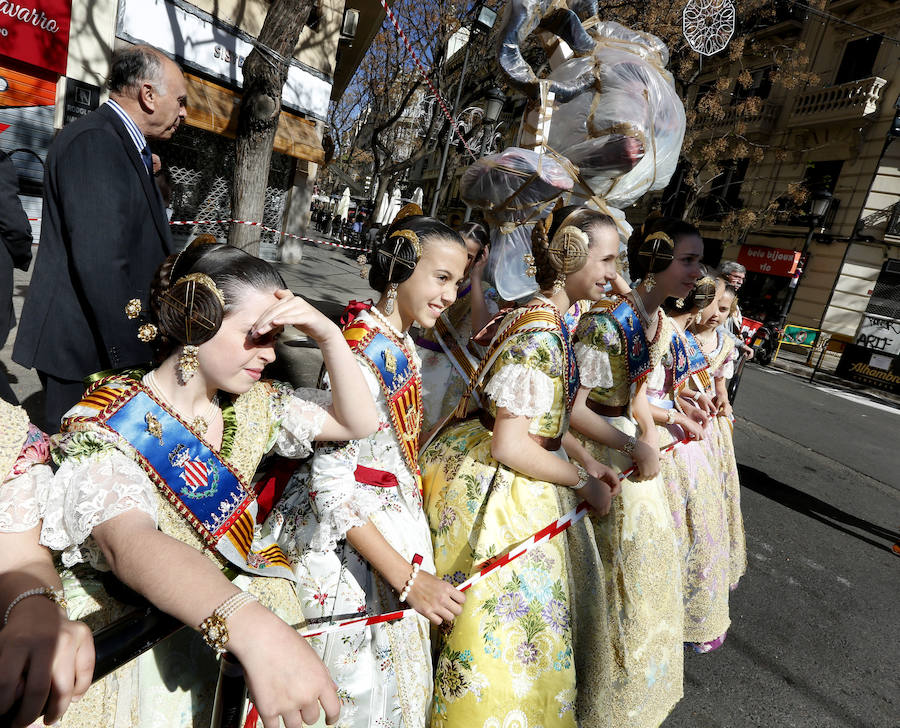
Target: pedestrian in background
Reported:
[(15, 233), (104, 231)]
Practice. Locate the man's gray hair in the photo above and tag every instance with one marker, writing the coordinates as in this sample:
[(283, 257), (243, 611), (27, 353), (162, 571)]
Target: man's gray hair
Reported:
[(726, 269), (133, 65)]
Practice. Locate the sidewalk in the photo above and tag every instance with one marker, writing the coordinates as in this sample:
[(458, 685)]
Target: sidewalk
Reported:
[(327, 277), (794, 363)]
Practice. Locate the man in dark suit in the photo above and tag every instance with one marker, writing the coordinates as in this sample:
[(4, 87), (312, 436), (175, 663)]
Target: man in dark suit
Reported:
[(104, 231), (15, 252)]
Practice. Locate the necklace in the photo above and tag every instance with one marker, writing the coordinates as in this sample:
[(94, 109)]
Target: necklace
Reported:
[(384, 320), (199, 423)]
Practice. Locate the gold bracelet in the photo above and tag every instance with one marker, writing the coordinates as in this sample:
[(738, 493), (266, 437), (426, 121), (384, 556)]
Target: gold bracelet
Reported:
[(670, 417), (57, 596), (214, 628), (628, 447)]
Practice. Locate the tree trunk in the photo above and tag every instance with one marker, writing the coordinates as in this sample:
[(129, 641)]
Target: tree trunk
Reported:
[(264, 78)]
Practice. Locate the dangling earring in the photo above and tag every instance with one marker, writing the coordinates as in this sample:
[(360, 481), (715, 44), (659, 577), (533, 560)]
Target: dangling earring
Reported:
[(699, 318), (649, 282), (679, 302), (559, 283), (391, 297), (188, 362)]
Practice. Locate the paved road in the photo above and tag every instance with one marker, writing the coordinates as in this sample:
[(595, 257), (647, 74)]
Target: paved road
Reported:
[(815, 636)]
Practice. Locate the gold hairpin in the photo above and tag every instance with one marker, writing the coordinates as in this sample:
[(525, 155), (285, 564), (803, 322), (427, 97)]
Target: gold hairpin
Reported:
[(203, 280), (412, 238)]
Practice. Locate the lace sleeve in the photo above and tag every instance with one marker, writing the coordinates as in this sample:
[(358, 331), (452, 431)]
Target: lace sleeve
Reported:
[(89, 491), (521, 389), (594, 369), (339, 501), (301, 422), (22, 498)]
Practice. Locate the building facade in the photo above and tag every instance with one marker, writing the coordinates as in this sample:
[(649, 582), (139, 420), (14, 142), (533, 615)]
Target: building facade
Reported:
[(40, 92)]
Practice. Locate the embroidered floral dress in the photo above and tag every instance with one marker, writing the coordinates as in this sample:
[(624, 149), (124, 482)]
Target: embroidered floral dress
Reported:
[(636, 542), (507, 660), (698, 511), (25, 475), (721, 364), (100, 477), (383, 672), (443, 384)]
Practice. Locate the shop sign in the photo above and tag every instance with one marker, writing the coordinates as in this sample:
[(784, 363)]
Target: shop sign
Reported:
[(873, 369), (879, 333), (772, 261), (210, 48), (81, 98), (36, 32)]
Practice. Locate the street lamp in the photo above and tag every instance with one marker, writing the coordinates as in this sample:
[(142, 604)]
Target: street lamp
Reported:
[(820, 198), (484, 21), (494, 99)]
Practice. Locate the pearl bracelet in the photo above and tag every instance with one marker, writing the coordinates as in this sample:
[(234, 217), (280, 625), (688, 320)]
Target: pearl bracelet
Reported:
[(670, 417), (416, 567), (57, 596), (214, 628)]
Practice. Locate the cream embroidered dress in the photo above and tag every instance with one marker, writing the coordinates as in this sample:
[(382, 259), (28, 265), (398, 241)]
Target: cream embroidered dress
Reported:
[(507, 661), (698, 512), (383, 672), (99, 478), (443, 384), (721, 364), (636, 542)]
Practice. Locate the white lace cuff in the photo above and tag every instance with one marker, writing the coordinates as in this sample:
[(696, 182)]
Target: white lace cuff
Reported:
[(22, 499), (593, 367), (338, 518), (304, 416), (522, 390), (90, 492)]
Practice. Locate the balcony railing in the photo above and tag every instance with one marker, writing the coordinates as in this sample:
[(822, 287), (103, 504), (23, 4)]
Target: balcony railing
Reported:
[(849, 101)]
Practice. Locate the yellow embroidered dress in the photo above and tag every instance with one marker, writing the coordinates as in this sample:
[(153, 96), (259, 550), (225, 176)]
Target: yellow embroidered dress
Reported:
[(636, 540), (100, 477), (507, 660)]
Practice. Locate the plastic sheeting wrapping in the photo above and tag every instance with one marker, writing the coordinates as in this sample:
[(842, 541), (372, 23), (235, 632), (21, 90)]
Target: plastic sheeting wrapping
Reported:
[(634, 99), (595, 143)]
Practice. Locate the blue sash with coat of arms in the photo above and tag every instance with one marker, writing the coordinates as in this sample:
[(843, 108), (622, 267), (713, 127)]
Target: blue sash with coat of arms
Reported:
[(203, 488), (629, 324)]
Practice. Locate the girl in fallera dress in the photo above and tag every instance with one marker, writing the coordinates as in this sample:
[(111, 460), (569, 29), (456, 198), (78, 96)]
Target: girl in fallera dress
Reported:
[(154, 484), (691, 472), (495, 478), (720, 352), (444, 349), (353, 524), (619, 341)]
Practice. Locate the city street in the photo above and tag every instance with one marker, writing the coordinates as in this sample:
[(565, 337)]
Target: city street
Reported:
[(815, 622)]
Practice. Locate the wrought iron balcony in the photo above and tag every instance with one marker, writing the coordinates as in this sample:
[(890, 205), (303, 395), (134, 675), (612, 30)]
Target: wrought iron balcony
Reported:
[(847, 102)]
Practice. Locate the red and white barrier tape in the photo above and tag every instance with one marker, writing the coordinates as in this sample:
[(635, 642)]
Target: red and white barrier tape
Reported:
[(268, 229), (536, 539), (424, 73)]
